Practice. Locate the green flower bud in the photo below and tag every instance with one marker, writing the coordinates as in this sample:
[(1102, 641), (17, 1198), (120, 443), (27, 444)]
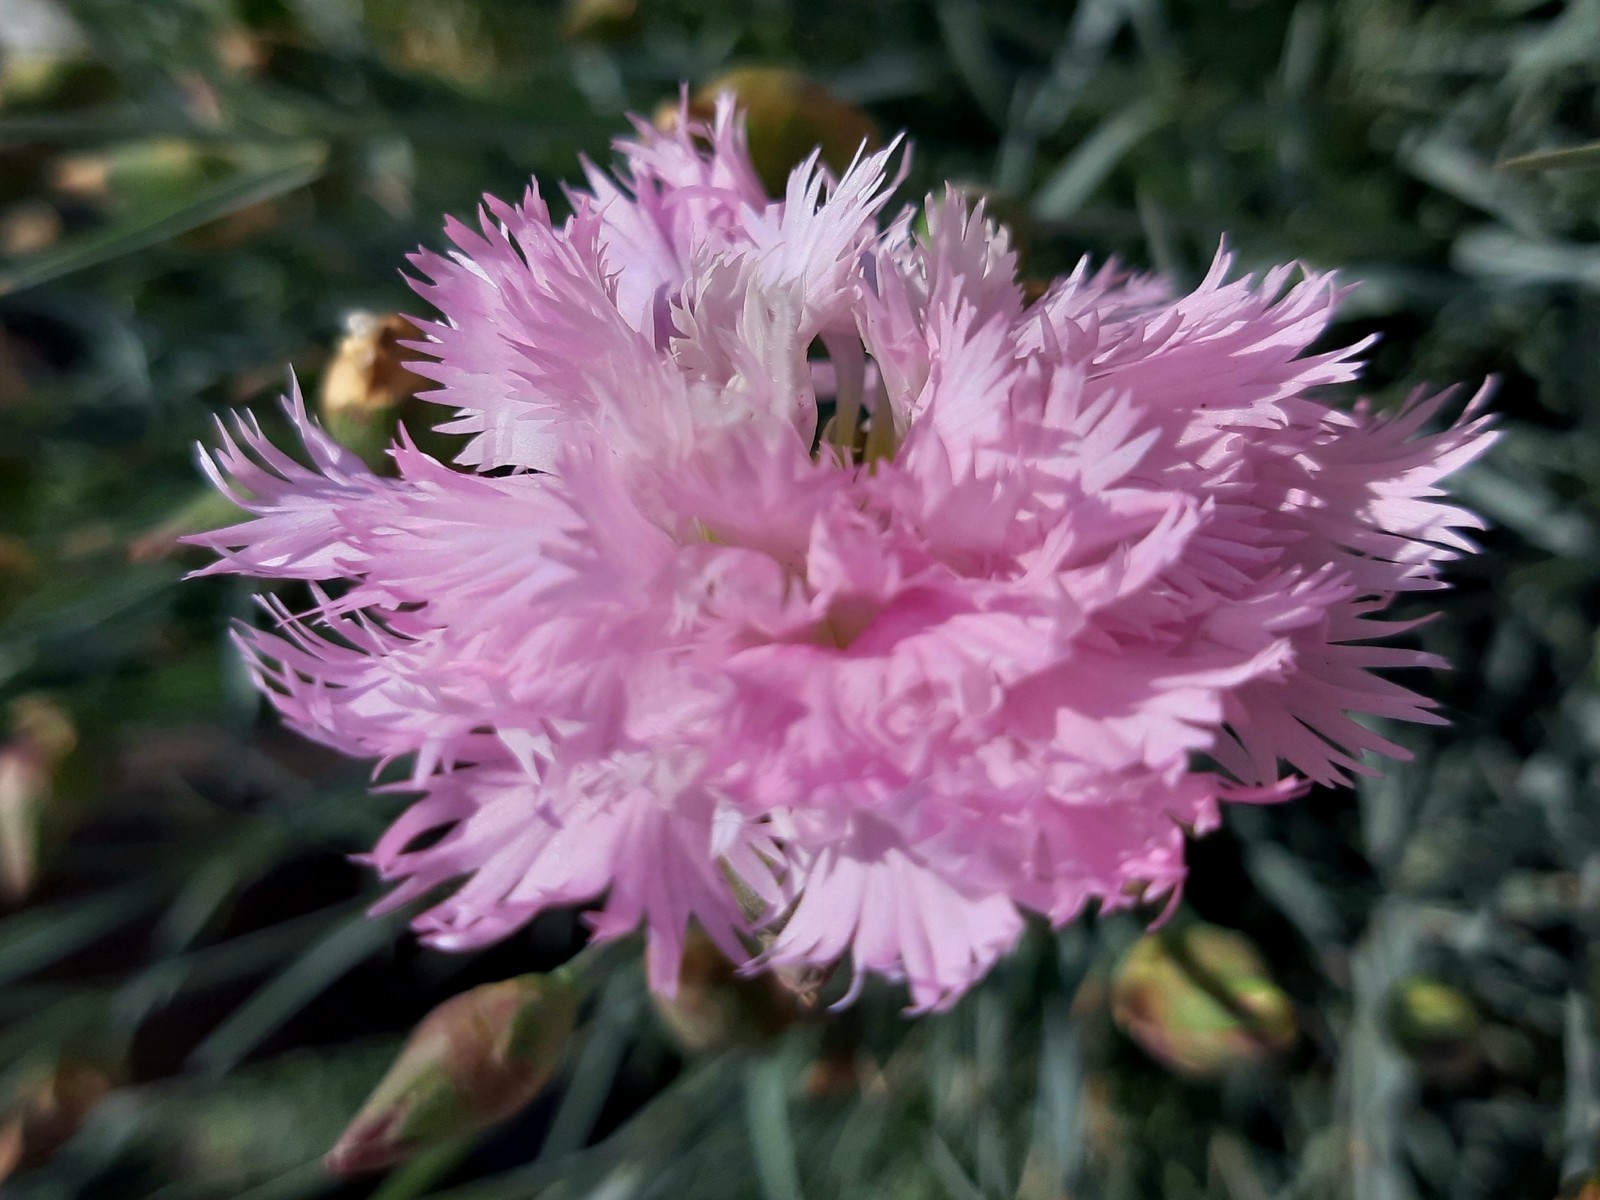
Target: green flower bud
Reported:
[(1201, 1001), (139, 174), (472, 1062), (37, 82), (1436, 1026)]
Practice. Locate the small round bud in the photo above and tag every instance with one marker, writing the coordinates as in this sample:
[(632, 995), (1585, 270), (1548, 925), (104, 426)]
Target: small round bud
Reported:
[(1201, 1001), (472, 1062)]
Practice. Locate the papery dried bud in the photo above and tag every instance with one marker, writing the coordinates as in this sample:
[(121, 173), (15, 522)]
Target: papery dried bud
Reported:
[(716, 1007), (242, 50), (46, 1108), (1201, 1001), (44, 726), (472, 1062), (788, 115), (42, 735), (30, 227), (368, 386)]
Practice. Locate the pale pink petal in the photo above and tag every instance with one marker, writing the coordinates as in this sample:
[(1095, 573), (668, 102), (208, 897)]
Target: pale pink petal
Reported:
[(1103, 564)]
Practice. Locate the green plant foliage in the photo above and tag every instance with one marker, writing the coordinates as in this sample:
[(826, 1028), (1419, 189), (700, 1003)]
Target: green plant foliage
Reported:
[(194, 194)]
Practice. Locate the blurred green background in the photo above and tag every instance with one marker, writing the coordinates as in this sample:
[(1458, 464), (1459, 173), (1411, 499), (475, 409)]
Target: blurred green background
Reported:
[(1389, 993)]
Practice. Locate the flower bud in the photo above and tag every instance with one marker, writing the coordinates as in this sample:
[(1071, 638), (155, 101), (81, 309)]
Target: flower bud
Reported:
[(369, 388), (242, 50), (788, 115), (55, 81), (44, 1111), (136, 174), (472, 1062), (29, 227), (1201, 1001), (1436, 1026), (42, 735)]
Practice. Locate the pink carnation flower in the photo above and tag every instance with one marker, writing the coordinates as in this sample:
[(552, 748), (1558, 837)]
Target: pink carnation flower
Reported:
[(802, 580)]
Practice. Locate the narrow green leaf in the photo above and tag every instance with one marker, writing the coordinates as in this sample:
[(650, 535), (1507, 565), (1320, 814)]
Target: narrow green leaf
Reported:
[(661, 1134), (766, 1105), (966, 36), (1075, 180), (39, 937), (416, 1178), (331, 957), (295, 168), (957, 1183), (595, 1069)]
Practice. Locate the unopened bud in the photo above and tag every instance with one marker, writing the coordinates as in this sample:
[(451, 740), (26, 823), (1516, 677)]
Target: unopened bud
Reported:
[(242, 50), (30, 227), (472, 1062), (42, 736), (1436, 1026), (1201, 1001), (54, 82), (788, 115), (369, 388), (140, 173), (46, 1108)]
